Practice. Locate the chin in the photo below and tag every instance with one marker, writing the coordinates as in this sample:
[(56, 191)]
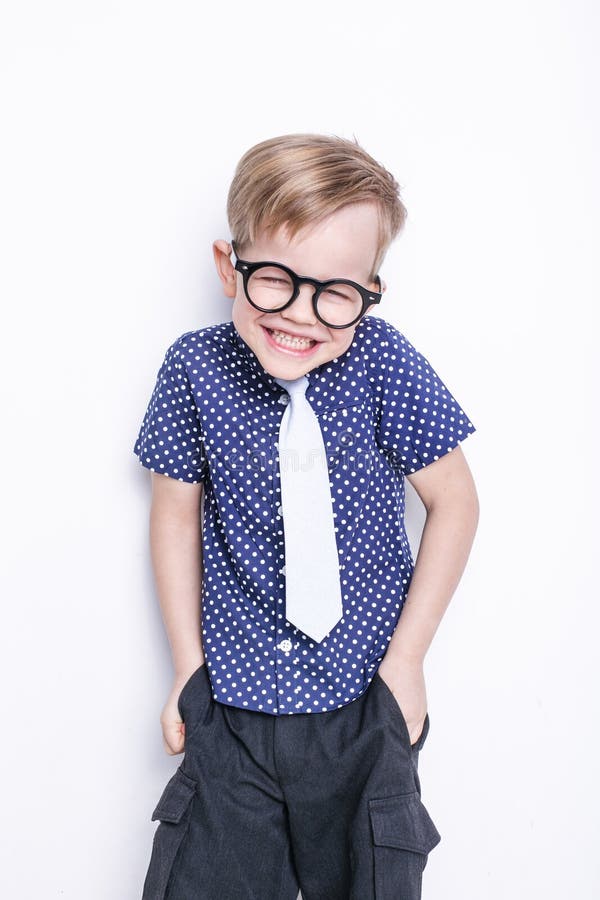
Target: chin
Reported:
[(289, 372)]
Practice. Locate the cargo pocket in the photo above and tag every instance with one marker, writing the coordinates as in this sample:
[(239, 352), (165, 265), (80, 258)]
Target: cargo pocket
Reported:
[(403, 835), (173, 811)]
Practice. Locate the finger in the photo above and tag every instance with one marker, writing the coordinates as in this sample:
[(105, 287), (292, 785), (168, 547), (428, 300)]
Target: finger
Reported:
[(174, 739)]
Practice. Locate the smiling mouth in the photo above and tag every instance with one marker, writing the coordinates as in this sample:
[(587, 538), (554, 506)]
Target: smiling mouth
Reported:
[(287, 340)]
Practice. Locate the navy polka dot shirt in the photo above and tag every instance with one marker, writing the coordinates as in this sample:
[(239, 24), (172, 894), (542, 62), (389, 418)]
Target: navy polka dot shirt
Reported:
[(214, 417)]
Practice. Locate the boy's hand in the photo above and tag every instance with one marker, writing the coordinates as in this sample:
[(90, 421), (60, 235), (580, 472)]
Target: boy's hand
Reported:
[(173, 726), (406, 681)]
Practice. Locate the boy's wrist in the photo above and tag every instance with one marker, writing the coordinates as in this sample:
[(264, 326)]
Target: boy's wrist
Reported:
[(184, 667), (402, 657)]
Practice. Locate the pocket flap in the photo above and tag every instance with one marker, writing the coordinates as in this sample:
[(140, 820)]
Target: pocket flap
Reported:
[(175, 798), (403, 822)]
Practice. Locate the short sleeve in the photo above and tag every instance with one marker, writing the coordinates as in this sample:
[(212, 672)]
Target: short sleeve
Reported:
[(170, 437), (420, 419)]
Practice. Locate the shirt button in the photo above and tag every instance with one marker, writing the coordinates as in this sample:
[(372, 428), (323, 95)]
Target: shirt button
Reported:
[(279, 509), (283, 399), (285, 645)]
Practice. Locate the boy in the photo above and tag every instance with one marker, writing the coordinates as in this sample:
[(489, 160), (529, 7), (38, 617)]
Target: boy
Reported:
[(301, 746)]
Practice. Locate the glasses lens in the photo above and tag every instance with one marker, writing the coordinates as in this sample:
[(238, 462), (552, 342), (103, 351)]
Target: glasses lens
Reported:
[(339, 304), (270, 287)]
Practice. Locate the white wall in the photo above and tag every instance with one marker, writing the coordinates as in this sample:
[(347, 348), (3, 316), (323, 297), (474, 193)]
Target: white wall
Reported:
[(122, 123)]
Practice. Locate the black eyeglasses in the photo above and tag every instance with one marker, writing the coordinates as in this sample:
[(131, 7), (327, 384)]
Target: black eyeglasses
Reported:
[(271, 287)]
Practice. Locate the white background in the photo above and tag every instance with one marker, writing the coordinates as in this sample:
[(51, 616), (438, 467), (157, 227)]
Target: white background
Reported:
[(122, 123)]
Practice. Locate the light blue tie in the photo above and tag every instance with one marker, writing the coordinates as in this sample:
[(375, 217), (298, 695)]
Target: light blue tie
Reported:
[(313, 598)]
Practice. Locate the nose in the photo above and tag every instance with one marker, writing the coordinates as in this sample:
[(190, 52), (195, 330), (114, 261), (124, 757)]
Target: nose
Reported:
[(301, 309)]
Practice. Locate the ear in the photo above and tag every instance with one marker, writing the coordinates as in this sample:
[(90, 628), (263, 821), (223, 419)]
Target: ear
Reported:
[(225, 270)]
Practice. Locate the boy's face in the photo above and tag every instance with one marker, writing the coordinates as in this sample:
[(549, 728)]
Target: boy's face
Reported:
[(342, 246)]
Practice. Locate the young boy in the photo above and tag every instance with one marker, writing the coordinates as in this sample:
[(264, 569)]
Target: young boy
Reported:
[(301, 746)]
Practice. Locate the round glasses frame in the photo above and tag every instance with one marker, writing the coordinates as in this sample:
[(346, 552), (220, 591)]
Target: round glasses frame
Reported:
[(248, 268)]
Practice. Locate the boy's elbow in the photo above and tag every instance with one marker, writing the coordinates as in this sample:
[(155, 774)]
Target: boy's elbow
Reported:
[(473, 507), (464, 501)]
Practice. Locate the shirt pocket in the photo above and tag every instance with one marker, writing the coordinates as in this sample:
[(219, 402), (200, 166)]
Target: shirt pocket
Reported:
[(348, 435), (243, 476)]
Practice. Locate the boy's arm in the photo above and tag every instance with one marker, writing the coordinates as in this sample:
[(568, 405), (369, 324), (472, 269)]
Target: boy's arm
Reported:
[(448, 492), (176, 549)]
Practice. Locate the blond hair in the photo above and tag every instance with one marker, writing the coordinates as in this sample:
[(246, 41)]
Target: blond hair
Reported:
[(298, 179)]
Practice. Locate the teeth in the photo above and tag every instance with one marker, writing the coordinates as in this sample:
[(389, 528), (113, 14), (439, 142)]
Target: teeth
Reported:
[(288, 341)]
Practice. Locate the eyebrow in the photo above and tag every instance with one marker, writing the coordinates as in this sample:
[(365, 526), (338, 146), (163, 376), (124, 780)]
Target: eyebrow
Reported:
[(367, 280), (284, 265)]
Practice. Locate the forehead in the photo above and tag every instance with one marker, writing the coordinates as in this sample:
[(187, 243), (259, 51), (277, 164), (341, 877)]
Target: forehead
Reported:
[(344, 243)]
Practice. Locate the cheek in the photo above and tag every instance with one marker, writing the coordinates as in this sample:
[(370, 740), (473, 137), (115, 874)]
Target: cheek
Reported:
[(241, 311), (245, 318), (342, 340), (236, 310)]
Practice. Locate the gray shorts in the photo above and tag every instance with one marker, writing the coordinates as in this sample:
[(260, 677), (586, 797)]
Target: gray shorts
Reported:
[(263, 806)]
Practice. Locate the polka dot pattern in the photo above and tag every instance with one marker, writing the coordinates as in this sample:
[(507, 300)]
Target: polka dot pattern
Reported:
[(214, 417)]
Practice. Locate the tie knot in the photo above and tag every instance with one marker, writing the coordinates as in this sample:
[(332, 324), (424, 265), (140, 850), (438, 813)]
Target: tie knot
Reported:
[(295, 388)]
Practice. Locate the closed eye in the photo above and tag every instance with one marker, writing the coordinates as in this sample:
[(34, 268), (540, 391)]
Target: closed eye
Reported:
[(271, 279), (337, 294)]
